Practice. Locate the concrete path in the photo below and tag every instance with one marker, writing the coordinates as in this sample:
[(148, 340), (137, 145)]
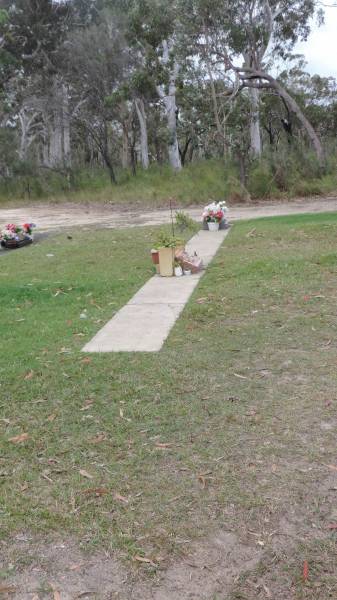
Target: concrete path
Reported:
[(144, 323)]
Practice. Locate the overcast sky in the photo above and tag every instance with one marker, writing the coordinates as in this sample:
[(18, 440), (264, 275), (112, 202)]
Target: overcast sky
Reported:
[(320, 50)]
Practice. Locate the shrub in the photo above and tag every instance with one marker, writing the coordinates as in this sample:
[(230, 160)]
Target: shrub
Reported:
[(261, 182), (308, 188), (184, 221), (236, 192)]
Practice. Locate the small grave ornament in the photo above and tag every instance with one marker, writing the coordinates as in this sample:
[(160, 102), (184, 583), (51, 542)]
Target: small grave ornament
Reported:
[(14, 236)]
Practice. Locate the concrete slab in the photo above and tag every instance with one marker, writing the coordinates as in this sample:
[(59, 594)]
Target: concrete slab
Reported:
[(166, 290), (144, 323), (136, 328), (206, 244)]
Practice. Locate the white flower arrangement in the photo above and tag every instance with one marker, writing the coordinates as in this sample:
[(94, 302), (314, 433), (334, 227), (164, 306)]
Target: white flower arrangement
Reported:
[(215, 211), (223, 206)]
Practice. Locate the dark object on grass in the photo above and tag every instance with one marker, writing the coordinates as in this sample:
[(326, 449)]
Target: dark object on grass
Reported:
[(12, 244)]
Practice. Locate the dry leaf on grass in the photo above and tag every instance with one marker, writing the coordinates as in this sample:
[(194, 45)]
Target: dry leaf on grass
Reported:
[(98, 438), (305, 570), (86, 360), (75, 567), (29, 375), (267, 590), (46, 477), (85, 473), (333, 467), (18, 439), (251, 233), (7, 589), (202, 480), (201, 300), (87, 405), (99, 491), (51, 418), (121, 498), (163, 445), (56, 593), (143, 559)]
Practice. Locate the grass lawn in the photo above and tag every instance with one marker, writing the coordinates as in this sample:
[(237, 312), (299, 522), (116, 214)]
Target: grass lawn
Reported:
[(231, 426)]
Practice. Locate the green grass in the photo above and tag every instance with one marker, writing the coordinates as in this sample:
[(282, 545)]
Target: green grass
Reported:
[(196, 184), (237, 397)]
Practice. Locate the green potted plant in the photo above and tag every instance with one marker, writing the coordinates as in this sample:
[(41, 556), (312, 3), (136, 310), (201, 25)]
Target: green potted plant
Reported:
[(166, 245)]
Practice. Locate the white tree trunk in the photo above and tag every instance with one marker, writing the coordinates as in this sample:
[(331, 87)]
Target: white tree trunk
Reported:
[(66, 127), (144, 146), (28, 130), (255, 131), (59, 126), (23, 137), (55, 140), (169, 100)]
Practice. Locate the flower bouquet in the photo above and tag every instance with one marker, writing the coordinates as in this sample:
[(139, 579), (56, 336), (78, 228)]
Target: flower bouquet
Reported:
[(14, 236), (214, 216)]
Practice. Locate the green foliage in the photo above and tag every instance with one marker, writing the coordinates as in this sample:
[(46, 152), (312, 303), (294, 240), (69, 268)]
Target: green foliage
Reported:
[(164, 239), (3, 16), (235, 190), (184, 221), (197, 184), (261, 183)]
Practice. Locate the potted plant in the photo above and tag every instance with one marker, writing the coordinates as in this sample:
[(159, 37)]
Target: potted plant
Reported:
[(14, 236), (166, 246), (214, 216)]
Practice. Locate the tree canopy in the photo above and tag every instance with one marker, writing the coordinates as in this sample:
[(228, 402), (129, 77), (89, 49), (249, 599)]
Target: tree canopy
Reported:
[(127, 83)]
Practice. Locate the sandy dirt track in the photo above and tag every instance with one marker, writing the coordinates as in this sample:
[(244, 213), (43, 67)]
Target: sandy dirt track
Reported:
[(53, 217)]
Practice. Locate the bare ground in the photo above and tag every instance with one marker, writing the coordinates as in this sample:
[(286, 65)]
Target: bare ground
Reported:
[(254, 562), (51, 217), (211, 567)]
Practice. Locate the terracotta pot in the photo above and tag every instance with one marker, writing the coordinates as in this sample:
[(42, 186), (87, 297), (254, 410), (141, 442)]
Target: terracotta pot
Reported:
[(155, 257)]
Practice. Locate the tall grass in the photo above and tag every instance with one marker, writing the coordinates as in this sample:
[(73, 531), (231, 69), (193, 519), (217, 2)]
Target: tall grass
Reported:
[(282, 175)]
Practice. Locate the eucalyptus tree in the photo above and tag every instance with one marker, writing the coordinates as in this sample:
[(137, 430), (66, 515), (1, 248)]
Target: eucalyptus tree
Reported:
[(97, 60), (244, 38), (153, 32), (35, 32)]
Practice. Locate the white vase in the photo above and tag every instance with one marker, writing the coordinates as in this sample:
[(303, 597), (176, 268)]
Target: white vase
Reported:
[(178, 271), (213, 226)]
